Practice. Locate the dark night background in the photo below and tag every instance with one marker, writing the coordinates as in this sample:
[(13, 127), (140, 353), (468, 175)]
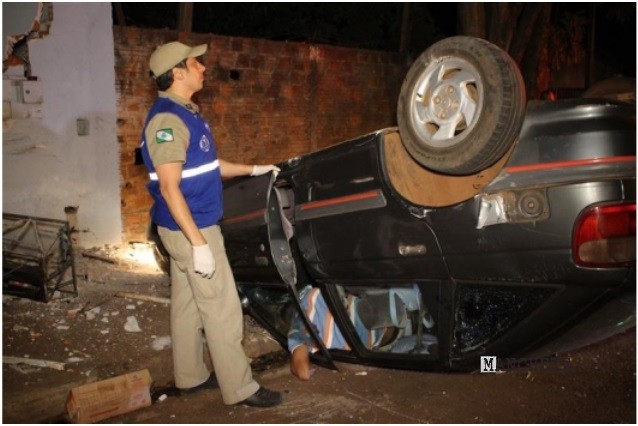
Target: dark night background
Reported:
[(365, 25), (378, 26)]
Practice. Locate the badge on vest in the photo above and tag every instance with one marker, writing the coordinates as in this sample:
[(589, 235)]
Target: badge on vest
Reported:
[(204, 144), (164, 135)]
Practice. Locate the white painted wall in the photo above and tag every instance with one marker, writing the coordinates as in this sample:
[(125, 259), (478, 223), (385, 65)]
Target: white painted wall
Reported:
[(46, 166)]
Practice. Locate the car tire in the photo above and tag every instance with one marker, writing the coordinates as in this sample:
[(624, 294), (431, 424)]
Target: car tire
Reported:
[(461, 106)]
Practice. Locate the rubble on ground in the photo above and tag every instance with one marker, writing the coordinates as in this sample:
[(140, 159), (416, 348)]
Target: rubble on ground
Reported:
[(105, 331)]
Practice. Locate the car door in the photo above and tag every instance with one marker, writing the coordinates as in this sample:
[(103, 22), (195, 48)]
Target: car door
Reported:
[(258, 229)]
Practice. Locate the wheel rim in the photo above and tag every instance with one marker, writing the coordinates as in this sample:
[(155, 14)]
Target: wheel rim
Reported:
[(446, 102)]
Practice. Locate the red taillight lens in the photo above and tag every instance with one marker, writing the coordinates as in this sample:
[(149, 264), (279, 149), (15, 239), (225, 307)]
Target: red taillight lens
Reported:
[(605, 236)]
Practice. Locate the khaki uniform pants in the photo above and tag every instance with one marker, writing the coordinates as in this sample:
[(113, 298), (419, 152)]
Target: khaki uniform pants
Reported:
[(211, 304)]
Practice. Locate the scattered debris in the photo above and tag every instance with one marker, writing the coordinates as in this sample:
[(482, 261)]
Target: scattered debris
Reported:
[(98, 257), (132, 325), (35, 362), (361, 373), (161, 343), (24, 369), (74, 312), (146, 297), (84, 354), (102, 343)]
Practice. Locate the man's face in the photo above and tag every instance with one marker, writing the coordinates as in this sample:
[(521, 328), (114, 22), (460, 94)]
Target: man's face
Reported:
[(194, 74)]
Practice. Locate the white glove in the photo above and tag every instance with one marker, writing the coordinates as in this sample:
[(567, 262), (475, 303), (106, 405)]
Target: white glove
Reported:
[(203, 261), (262, 170)]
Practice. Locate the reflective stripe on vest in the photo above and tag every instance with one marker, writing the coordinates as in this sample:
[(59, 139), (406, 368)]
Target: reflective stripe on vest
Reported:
[(204, 168)]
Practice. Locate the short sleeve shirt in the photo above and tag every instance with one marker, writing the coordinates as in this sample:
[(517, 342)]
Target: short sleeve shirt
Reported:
[(168, 123)]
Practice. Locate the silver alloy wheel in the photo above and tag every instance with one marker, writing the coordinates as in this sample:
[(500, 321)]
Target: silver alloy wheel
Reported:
[(446, 102)]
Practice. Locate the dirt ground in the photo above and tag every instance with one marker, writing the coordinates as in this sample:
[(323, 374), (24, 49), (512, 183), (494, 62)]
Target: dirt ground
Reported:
[(90, 335)]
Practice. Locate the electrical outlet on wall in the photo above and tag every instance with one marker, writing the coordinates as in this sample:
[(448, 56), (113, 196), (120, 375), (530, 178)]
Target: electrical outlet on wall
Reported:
[(82, 126)]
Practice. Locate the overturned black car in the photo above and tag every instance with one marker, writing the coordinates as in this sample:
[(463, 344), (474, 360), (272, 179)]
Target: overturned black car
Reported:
[(479, 226)]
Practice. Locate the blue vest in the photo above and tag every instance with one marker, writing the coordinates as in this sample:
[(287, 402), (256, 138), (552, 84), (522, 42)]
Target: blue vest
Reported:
[(201, 181)]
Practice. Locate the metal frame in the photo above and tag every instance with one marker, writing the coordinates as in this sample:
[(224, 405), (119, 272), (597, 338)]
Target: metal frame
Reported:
[(37, 257)]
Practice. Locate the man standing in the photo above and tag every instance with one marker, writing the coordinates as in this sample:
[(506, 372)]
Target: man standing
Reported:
[(185, 182)]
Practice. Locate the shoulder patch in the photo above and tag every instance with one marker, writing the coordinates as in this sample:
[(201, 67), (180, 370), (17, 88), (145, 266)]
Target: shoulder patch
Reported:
[(164, 135)]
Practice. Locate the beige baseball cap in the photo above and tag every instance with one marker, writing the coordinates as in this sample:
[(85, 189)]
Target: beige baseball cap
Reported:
[(170, 54)]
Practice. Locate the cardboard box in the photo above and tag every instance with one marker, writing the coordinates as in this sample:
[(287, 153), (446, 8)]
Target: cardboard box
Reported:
[(107, 398)]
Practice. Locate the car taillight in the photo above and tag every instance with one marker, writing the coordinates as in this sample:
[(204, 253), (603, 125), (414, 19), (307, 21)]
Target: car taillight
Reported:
[(605, 236)]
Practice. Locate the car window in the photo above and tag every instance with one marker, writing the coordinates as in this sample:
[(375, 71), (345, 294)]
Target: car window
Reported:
[(392, 319), (273, 304)]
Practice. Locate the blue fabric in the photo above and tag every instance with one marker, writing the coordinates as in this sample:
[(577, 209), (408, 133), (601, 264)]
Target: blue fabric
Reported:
[(203, 192), (407, 344), (321, 318)]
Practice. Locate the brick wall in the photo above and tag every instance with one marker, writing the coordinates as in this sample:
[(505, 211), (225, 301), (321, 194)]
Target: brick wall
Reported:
[(266, 101)]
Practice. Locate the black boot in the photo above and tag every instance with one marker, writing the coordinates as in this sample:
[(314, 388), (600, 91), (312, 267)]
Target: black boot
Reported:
[(210, 383), (263, 398)]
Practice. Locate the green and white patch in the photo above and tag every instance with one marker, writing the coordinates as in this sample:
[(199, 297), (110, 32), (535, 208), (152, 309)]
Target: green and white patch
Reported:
[(164, 135)]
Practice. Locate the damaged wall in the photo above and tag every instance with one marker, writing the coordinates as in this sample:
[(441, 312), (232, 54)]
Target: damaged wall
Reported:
[(267, 101), (59, 128), (16, 18), (70, 133)]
